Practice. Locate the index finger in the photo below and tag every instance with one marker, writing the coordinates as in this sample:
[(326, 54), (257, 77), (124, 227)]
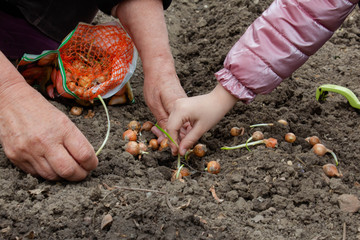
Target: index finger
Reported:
[(174, 126)]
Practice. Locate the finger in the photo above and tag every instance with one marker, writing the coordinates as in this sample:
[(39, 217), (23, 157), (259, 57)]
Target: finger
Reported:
[(34, 165), (184, 130), (182, 133), (65, 165), (191, 138), (81, 150), (157, 110), (159, 134), (44, 170), (175, 123), (163, 122)]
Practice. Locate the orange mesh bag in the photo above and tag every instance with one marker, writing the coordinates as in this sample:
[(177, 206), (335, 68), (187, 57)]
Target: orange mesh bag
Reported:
[(92, 60)]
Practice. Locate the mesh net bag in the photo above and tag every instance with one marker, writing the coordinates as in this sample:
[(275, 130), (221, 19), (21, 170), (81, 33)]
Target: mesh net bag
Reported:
[(92, 60)]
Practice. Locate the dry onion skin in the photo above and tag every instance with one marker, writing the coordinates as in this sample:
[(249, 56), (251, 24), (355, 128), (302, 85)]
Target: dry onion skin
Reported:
[(90, 114), (270, 142), (290, 137)]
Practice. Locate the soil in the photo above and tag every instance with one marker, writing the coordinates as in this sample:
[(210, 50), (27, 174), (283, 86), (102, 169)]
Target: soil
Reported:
[(267, 193)]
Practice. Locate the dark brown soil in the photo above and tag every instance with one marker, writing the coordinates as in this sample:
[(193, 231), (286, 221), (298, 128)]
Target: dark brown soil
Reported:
[(268, 193)]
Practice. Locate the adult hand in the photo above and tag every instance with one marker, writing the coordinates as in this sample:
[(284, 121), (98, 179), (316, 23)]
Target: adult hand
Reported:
[(37, 137), (160, 93)]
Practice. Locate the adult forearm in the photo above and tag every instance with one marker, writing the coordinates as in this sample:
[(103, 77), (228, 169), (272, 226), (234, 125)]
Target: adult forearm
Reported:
[(10, 81), (9, 75), (145, 23)]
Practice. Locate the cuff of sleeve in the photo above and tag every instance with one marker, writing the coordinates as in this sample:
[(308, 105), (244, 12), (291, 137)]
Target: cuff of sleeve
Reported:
[(232, 85)]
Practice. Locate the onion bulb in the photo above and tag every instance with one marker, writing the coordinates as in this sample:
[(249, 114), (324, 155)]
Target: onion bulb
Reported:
[(143, 147), (313, 140), (184, 172), (147, 126), (129, 135), (200, 150), (270, 142), (153, 144), (257, 135), (236, 131), (290, 137), (180, 174), (283, 122), (133, 148), (164, 144), (134, 125), (331, 171), (319, 149), (213, 167), (76, 111)]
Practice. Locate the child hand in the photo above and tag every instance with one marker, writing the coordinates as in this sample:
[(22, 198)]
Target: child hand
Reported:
[(202, 112)]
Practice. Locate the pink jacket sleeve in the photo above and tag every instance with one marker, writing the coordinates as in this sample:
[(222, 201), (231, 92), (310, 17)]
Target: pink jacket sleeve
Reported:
[(279, 42)]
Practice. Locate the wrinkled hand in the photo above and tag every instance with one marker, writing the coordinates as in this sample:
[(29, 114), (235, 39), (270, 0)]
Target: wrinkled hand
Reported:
[(40, 139), (202, 112)]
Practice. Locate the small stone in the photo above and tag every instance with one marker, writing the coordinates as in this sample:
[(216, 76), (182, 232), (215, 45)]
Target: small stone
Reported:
[(258, 218), (349, 203)]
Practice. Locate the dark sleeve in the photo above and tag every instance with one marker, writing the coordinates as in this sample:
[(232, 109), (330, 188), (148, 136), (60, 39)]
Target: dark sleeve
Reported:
[(107, 5)]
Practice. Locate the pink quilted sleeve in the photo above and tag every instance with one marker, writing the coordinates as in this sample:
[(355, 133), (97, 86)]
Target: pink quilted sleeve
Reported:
[(279, 42)]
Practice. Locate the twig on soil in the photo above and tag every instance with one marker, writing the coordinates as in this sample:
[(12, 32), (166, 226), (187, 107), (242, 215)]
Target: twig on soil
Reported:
[(344, 231), (212, 190), (185, 205), (143, 190), (301, 161)]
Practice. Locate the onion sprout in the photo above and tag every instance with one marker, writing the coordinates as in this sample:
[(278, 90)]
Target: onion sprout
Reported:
[(261, 125), (108, 126), (172, 140)]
